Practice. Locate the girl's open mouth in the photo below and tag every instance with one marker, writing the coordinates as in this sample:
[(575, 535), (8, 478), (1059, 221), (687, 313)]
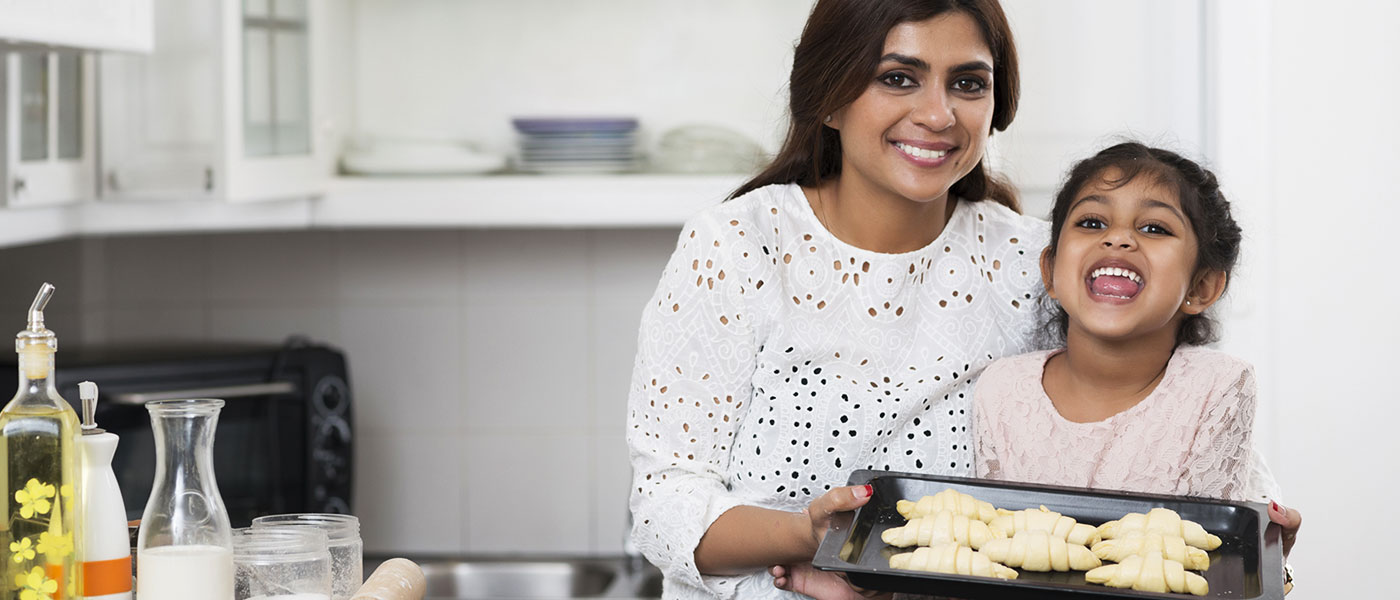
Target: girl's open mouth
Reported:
[(1115, 282)]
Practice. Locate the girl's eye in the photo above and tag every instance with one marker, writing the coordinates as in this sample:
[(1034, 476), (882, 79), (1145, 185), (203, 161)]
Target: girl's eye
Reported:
[(969, 85), (1154, 228), (1090, 223), (898, 80)]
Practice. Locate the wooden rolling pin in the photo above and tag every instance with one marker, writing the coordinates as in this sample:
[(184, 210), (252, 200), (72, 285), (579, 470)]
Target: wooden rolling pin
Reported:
[(395, 579)]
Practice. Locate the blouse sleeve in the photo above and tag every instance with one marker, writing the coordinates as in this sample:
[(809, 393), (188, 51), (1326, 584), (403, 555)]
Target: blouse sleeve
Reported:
[(691, 382), (1220, 463)]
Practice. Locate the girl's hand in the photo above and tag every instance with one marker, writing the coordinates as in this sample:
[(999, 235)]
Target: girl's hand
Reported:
[(1290, 519), (839, 499), (821, 585)]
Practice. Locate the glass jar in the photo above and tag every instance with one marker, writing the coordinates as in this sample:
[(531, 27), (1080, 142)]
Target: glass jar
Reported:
[(185, 545), (343, 539), (288, 563)]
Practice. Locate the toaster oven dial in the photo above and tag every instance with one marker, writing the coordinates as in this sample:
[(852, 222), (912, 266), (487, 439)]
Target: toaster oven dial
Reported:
[(330, 445), (330, 396)]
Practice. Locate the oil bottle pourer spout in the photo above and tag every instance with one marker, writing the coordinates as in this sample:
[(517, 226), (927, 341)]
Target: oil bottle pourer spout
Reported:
[(36, 310), (87, 390)]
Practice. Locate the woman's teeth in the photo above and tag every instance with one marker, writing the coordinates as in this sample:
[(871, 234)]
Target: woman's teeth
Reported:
[(1116, 272), (920, 152)]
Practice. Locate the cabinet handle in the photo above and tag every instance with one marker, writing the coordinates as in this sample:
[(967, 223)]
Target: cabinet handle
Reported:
[(20, 185), (113, 182), (208, 179)]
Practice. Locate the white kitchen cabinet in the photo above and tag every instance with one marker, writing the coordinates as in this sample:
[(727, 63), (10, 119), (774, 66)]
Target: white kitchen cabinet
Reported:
[(48, 127), (81, 24), (223, 108)]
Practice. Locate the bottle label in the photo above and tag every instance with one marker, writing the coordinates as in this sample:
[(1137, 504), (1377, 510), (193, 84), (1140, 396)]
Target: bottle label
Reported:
[(103, 577)]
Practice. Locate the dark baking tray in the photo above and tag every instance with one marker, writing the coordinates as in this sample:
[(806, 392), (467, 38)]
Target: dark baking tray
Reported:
[(1247, 565)]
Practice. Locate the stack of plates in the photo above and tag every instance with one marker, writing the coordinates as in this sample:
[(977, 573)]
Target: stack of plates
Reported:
[(573, 145)]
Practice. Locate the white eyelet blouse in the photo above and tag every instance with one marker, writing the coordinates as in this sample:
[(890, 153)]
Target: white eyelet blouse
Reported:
[(774, 359)]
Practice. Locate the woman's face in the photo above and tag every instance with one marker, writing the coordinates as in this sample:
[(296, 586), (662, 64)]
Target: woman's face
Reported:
[(923, 121)]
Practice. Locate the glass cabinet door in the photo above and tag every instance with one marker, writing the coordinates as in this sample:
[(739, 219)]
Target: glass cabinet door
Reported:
[(49, 154), (276, 78)]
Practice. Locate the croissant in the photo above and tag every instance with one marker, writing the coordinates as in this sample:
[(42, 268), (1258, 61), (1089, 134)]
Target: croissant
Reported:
[(949, 499), (1044, 519), (1149, 574), (941, 527), (950, 558), (1141, 543), (1037, 551), (1164, 521)]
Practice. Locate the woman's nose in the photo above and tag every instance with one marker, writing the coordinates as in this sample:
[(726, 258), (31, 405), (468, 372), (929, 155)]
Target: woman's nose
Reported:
[(935, 111)]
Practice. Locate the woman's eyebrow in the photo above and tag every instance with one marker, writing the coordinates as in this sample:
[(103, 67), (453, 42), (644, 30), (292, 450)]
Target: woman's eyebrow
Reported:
[(906, 60), (975, 65)]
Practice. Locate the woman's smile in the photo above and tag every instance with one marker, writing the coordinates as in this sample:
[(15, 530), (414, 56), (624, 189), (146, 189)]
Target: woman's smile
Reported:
[(925, 154)]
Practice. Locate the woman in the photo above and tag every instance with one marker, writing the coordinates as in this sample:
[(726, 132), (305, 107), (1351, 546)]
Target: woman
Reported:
[(831, 315)]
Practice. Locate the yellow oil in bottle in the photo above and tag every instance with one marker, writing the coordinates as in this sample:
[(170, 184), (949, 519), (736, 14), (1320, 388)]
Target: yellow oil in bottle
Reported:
[(39, 469), (39, 476)]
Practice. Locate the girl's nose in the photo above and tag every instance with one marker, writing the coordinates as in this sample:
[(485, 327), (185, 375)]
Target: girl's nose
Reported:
[(935, 111), (1121, 239)]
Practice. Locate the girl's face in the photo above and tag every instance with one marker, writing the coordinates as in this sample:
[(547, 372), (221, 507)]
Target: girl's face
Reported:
[(922, 124), (1125, 265)]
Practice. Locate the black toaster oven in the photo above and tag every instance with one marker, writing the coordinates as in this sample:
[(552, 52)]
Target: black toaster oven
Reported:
[(284, 442)]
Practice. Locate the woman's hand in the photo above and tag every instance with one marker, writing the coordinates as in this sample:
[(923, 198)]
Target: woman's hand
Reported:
[(1290, 519), (821, 585)]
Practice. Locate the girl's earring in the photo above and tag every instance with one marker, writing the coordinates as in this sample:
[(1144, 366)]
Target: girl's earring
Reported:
[(827, 119)]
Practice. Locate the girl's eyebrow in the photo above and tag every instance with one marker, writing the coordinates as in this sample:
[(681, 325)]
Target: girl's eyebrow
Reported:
[(1148, 202)]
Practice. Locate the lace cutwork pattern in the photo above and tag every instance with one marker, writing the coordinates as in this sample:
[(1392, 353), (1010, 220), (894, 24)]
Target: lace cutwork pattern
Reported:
[(1191, 436), (774, 359)]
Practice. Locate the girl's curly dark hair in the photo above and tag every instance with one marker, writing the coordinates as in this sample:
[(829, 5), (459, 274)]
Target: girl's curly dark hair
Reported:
[(1218, 236)]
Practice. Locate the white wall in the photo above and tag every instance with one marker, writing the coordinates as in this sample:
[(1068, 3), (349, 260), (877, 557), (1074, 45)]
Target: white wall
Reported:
[(1306, 131)]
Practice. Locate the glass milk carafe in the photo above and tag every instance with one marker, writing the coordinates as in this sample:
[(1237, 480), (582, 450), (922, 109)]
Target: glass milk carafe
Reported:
[(39, 468), (185, 547)]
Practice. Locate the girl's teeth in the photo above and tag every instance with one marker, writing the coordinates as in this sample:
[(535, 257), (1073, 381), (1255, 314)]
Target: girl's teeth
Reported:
[(920, 152), (1117, 272)]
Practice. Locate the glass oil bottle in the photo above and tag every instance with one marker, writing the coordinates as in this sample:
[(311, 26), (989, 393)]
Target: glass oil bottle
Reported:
[(39, 469)]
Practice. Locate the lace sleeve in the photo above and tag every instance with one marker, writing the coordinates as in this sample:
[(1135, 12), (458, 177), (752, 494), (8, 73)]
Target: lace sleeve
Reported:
[(691, 381), (1220, 462)]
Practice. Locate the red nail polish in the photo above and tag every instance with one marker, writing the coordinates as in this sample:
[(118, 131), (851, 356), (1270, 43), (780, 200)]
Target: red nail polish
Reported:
[(1275, 506), (869, 490)]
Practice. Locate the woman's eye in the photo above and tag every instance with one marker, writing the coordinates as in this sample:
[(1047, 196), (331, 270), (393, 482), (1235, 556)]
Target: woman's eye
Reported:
[(1090, 223), (899, 80), (970, 85)]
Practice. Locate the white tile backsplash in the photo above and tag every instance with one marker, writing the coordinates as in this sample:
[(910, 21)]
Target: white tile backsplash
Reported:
[(405, 365), (408, 494), (155, 271), (531, 263), (398, 267), (527, 364), (528, 493), (490, 367), (273, 269)]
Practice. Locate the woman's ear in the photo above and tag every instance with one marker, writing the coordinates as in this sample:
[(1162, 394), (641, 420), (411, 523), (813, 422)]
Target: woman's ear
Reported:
[(1047, 272), (1208, 287)]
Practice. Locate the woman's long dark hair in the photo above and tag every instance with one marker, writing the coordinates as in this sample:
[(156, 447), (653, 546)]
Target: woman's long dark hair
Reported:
[(834, 63)]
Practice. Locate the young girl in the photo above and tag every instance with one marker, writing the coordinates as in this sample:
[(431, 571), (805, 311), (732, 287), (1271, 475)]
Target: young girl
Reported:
[(1142, 244)]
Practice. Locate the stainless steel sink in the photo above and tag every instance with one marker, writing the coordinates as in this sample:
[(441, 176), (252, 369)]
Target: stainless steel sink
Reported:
[(532, 578)]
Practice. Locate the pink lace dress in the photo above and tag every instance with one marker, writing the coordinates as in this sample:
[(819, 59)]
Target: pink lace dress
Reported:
[(1190, 437)]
